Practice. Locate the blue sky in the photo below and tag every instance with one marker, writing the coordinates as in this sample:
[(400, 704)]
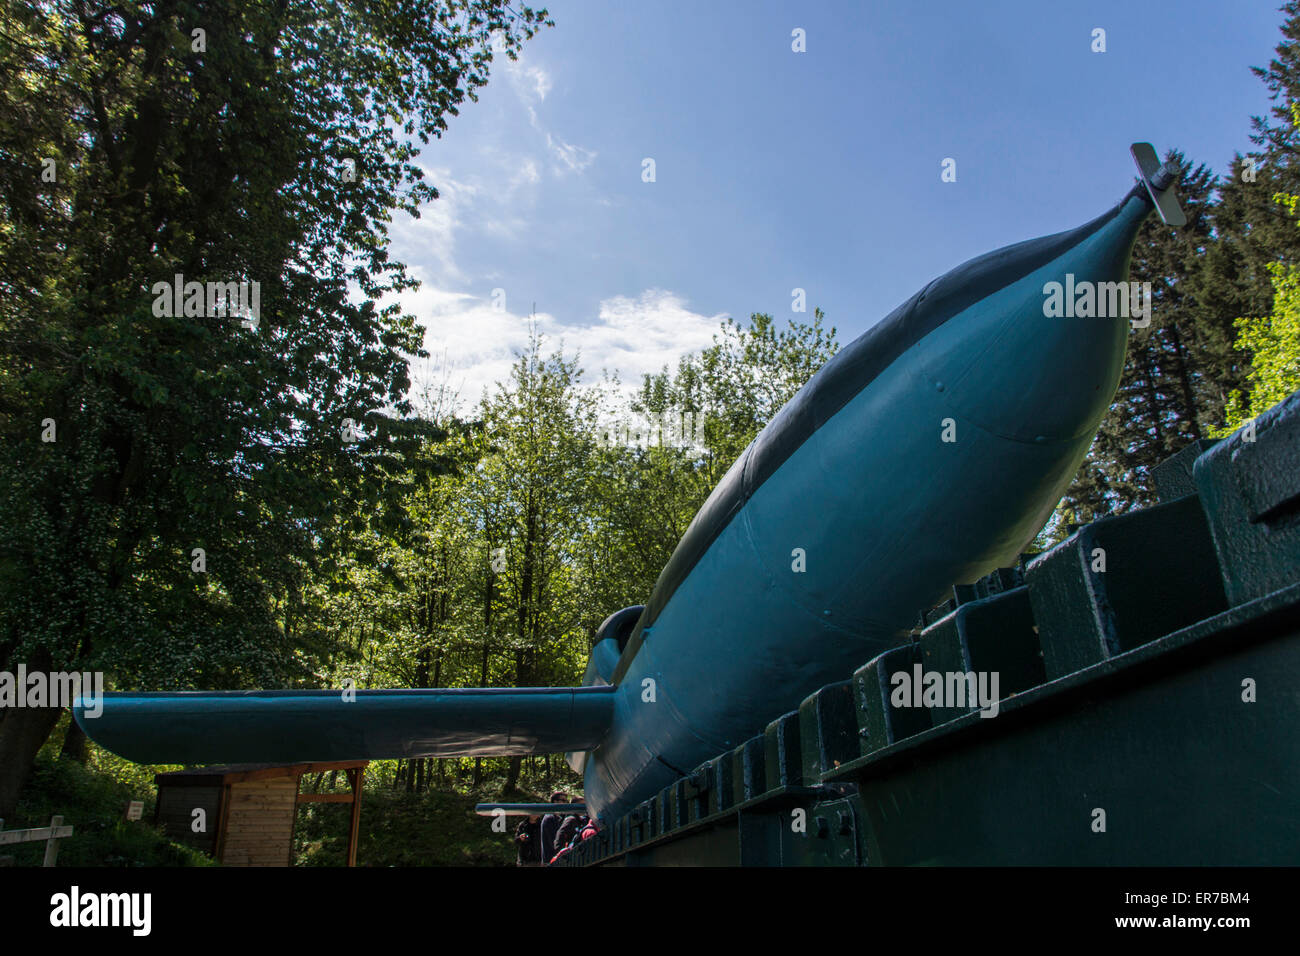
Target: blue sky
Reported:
[(777, 170)]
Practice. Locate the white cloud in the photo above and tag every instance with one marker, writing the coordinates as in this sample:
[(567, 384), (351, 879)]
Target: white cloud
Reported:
[(577, 158), (540, 79), (529, 80), (636, 336), (473, 345), (434, 233), (532, 83), (527, 174)]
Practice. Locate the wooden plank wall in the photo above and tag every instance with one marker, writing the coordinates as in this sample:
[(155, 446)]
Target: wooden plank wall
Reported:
[(175, 813), (259, 823)]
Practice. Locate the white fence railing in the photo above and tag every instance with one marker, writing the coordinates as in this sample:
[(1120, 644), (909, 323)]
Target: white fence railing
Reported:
[(52, 834)]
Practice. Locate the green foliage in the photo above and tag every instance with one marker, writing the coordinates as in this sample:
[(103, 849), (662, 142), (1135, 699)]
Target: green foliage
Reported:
[(1176, 370), (402, 829), (437, 827), (737, 385), (93, 802), (1274, 342), (277, 154)]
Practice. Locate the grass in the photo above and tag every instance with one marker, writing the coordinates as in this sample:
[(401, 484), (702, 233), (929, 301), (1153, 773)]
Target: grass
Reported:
[(403, 829), (435, 828), (92, 802)]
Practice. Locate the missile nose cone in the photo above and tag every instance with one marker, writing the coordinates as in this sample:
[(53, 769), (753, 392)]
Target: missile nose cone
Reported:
[(1042, 378), (1039, 359)]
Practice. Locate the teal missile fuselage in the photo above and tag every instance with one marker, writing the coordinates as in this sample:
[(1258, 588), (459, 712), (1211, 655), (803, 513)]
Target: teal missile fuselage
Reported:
[(926, 453)]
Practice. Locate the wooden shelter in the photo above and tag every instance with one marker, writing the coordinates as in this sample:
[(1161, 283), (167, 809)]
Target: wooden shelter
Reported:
[(249, 809)]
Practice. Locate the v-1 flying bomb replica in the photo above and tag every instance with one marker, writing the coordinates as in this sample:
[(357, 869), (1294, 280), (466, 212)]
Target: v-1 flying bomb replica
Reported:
[(926, 453)]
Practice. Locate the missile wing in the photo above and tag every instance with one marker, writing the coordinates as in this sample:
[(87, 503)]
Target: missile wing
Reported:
[(293, 726), (927, 452)]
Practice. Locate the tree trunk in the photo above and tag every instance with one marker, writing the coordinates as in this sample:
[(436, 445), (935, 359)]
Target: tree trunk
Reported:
[(23, 732), (512, 775), (74, 743), (1152, 395), (1190, 412)]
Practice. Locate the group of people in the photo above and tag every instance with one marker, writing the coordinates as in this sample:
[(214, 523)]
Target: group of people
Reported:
[(543, 839)]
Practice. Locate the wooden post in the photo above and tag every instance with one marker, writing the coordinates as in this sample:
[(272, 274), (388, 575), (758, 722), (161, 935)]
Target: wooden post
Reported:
[(223, 816), (293, 822), (52, 834), (52, 844), (354, 825)]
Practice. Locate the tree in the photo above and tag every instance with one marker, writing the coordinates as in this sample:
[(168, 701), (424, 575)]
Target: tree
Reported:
[(1178, 371), (267, 144), (694, 423), (528, 498), (737, 385), (1274, 341)]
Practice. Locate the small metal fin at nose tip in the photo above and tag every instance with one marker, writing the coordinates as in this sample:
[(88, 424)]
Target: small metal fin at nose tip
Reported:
[(1159, 181)]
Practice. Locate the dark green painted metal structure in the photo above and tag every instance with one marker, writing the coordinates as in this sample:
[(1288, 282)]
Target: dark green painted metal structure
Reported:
[(1149, 676)]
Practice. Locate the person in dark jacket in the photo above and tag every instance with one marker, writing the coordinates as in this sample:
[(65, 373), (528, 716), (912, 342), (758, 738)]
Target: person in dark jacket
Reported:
[(568, 830), (551, 826), (528, 840)]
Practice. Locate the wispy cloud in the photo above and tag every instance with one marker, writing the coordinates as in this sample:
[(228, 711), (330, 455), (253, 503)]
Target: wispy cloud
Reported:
[(531, 83), (576, 158), (433, 235), (473, 345), (635, 336), (527, 175)]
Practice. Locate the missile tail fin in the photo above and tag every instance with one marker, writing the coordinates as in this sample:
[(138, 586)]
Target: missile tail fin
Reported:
[(1159, 181)]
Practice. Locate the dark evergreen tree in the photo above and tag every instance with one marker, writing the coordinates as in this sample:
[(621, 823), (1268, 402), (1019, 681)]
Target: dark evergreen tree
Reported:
[(1172, 387), (1181, 370)]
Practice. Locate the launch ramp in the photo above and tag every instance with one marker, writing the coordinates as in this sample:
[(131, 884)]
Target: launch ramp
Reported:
[(1146, 715)]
